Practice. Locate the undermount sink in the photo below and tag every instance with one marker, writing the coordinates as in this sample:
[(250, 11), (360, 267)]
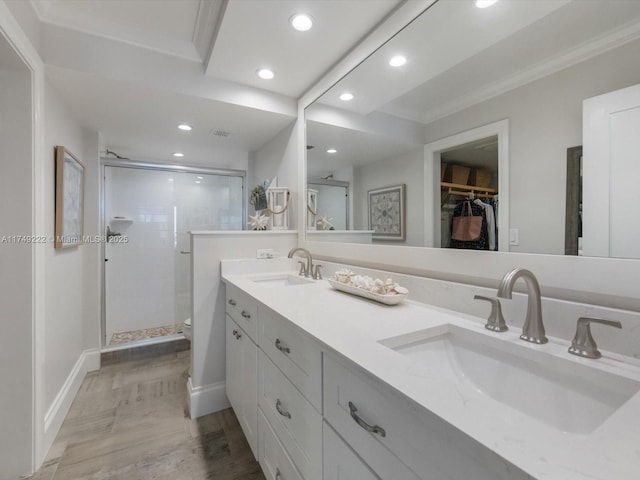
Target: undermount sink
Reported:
[(567, 394), (281, 280)]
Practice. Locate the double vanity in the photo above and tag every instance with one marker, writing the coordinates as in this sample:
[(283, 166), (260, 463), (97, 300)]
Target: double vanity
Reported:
[(331, 386)]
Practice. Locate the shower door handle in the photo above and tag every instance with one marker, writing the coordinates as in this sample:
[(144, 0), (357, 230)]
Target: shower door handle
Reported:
[(183, 252)]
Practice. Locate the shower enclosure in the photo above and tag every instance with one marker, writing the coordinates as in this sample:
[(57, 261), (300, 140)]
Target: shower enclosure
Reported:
[(148, 212)]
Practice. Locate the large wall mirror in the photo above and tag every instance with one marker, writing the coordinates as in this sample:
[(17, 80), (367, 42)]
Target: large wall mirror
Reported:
[(485, 102)]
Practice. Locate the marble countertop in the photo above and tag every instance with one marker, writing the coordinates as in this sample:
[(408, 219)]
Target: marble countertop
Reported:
[(353, 327)]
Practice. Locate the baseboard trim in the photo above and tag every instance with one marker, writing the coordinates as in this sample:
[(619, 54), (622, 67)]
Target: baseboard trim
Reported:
[(207, 399), (88, 361)]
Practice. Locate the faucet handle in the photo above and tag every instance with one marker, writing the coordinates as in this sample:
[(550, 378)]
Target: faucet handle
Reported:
[(495, 322), (316, 272), (583, 343), (303, 269)]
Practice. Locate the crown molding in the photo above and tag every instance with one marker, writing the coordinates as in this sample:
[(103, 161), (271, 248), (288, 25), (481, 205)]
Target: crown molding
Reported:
[(48, 13), (208, 21)]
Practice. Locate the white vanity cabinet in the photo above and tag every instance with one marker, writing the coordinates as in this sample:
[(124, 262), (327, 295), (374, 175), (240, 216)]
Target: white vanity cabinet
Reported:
[(242, 380), (290, 390), (311, 413), (294, 352), (274, 384)]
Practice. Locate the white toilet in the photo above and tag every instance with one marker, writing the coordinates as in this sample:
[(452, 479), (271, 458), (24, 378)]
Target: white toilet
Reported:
[(186, 329)]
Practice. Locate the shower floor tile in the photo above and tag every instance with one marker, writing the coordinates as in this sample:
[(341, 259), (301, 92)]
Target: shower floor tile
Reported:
[(126, 337)]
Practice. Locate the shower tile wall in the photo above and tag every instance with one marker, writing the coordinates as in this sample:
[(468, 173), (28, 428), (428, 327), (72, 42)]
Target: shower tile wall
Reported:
[(147, 278)]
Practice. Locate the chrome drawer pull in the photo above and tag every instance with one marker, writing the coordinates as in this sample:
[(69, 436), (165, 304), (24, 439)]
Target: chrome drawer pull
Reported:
[(369, 428), (281, 348), (232, 302), (278, 474), (236, 334), (281, 410), (245, 314)]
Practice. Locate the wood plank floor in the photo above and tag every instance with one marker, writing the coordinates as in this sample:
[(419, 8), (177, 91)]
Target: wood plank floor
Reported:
[(129, 422)]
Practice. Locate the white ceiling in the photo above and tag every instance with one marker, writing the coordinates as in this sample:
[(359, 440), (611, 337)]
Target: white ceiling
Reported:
[(140, 122), (354, 148), (505, 46), (256, 33), (133, 69), (459, 56)]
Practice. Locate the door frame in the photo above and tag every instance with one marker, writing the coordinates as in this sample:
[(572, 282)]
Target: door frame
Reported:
[(184, 168), (432, 179)]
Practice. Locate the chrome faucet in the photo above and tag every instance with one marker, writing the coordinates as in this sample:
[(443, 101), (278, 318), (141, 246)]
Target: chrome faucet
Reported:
[(533, 329), (308, 270)]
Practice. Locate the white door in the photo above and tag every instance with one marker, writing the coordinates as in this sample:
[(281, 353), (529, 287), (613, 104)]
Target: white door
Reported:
[(611, 169)]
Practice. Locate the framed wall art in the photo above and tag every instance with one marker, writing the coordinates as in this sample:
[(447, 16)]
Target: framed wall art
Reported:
[(387, 213), (69, 199)]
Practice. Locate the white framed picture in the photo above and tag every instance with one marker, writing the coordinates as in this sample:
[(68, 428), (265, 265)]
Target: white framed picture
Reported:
[(387, 213)]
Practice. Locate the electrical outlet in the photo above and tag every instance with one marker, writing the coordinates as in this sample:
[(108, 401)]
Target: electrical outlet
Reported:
[(264, 253)]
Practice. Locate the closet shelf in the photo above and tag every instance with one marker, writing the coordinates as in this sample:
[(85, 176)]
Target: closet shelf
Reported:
[(464, 190)]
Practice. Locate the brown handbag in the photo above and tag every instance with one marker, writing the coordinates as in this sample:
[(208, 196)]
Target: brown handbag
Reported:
[(467, 227)]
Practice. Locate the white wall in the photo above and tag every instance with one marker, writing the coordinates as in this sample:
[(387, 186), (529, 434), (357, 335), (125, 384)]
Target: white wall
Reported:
[(71, 285), (545, 118), (64, 326), (408, 169), (16, 266), (278, 158)]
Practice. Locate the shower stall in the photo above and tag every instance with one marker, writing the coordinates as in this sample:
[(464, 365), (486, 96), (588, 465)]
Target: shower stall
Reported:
[(148, 213)]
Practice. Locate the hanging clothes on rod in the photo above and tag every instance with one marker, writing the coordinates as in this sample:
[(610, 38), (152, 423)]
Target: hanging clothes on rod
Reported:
[(464, 208), (491, 224)]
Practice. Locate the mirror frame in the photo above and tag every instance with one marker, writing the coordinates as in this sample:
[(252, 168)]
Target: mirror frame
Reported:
[(600, 281)]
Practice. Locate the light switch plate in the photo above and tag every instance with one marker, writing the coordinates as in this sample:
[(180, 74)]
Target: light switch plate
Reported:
[(514, 236)]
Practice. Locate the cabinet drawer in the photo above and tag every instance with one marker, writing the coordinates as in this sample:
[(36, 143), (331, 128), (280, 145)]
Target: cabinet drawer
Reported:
[(385, 454), (244, 311), (295, 353), (273, 459), (294, 420), (340, 462), (416, 443)]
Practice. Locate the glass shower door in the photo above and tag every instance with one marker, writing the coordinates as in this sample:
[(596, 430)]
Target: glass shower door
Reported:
[(203, 202), (147, 269)]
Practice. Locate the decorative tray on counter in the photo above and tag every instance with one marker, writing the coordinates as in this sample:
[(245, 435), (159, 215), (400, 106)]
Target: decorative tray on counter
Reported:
[(387, 299)]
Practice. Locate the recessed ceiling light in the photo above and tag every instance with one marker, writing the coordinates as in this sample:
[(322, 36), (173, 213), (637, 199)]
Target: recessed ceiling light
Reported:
[(171, 179), (199, 177), (197, 181), (178, 154), (332, 150), (346, 97), (485, 3), (397, 61), (301, 22), (265, 74), (185, 127)]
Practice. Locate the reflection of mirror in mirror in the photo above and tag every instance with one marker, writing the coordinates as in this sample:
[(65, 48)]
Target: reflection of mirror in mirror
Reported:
[(332, 204), (533, 63)]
